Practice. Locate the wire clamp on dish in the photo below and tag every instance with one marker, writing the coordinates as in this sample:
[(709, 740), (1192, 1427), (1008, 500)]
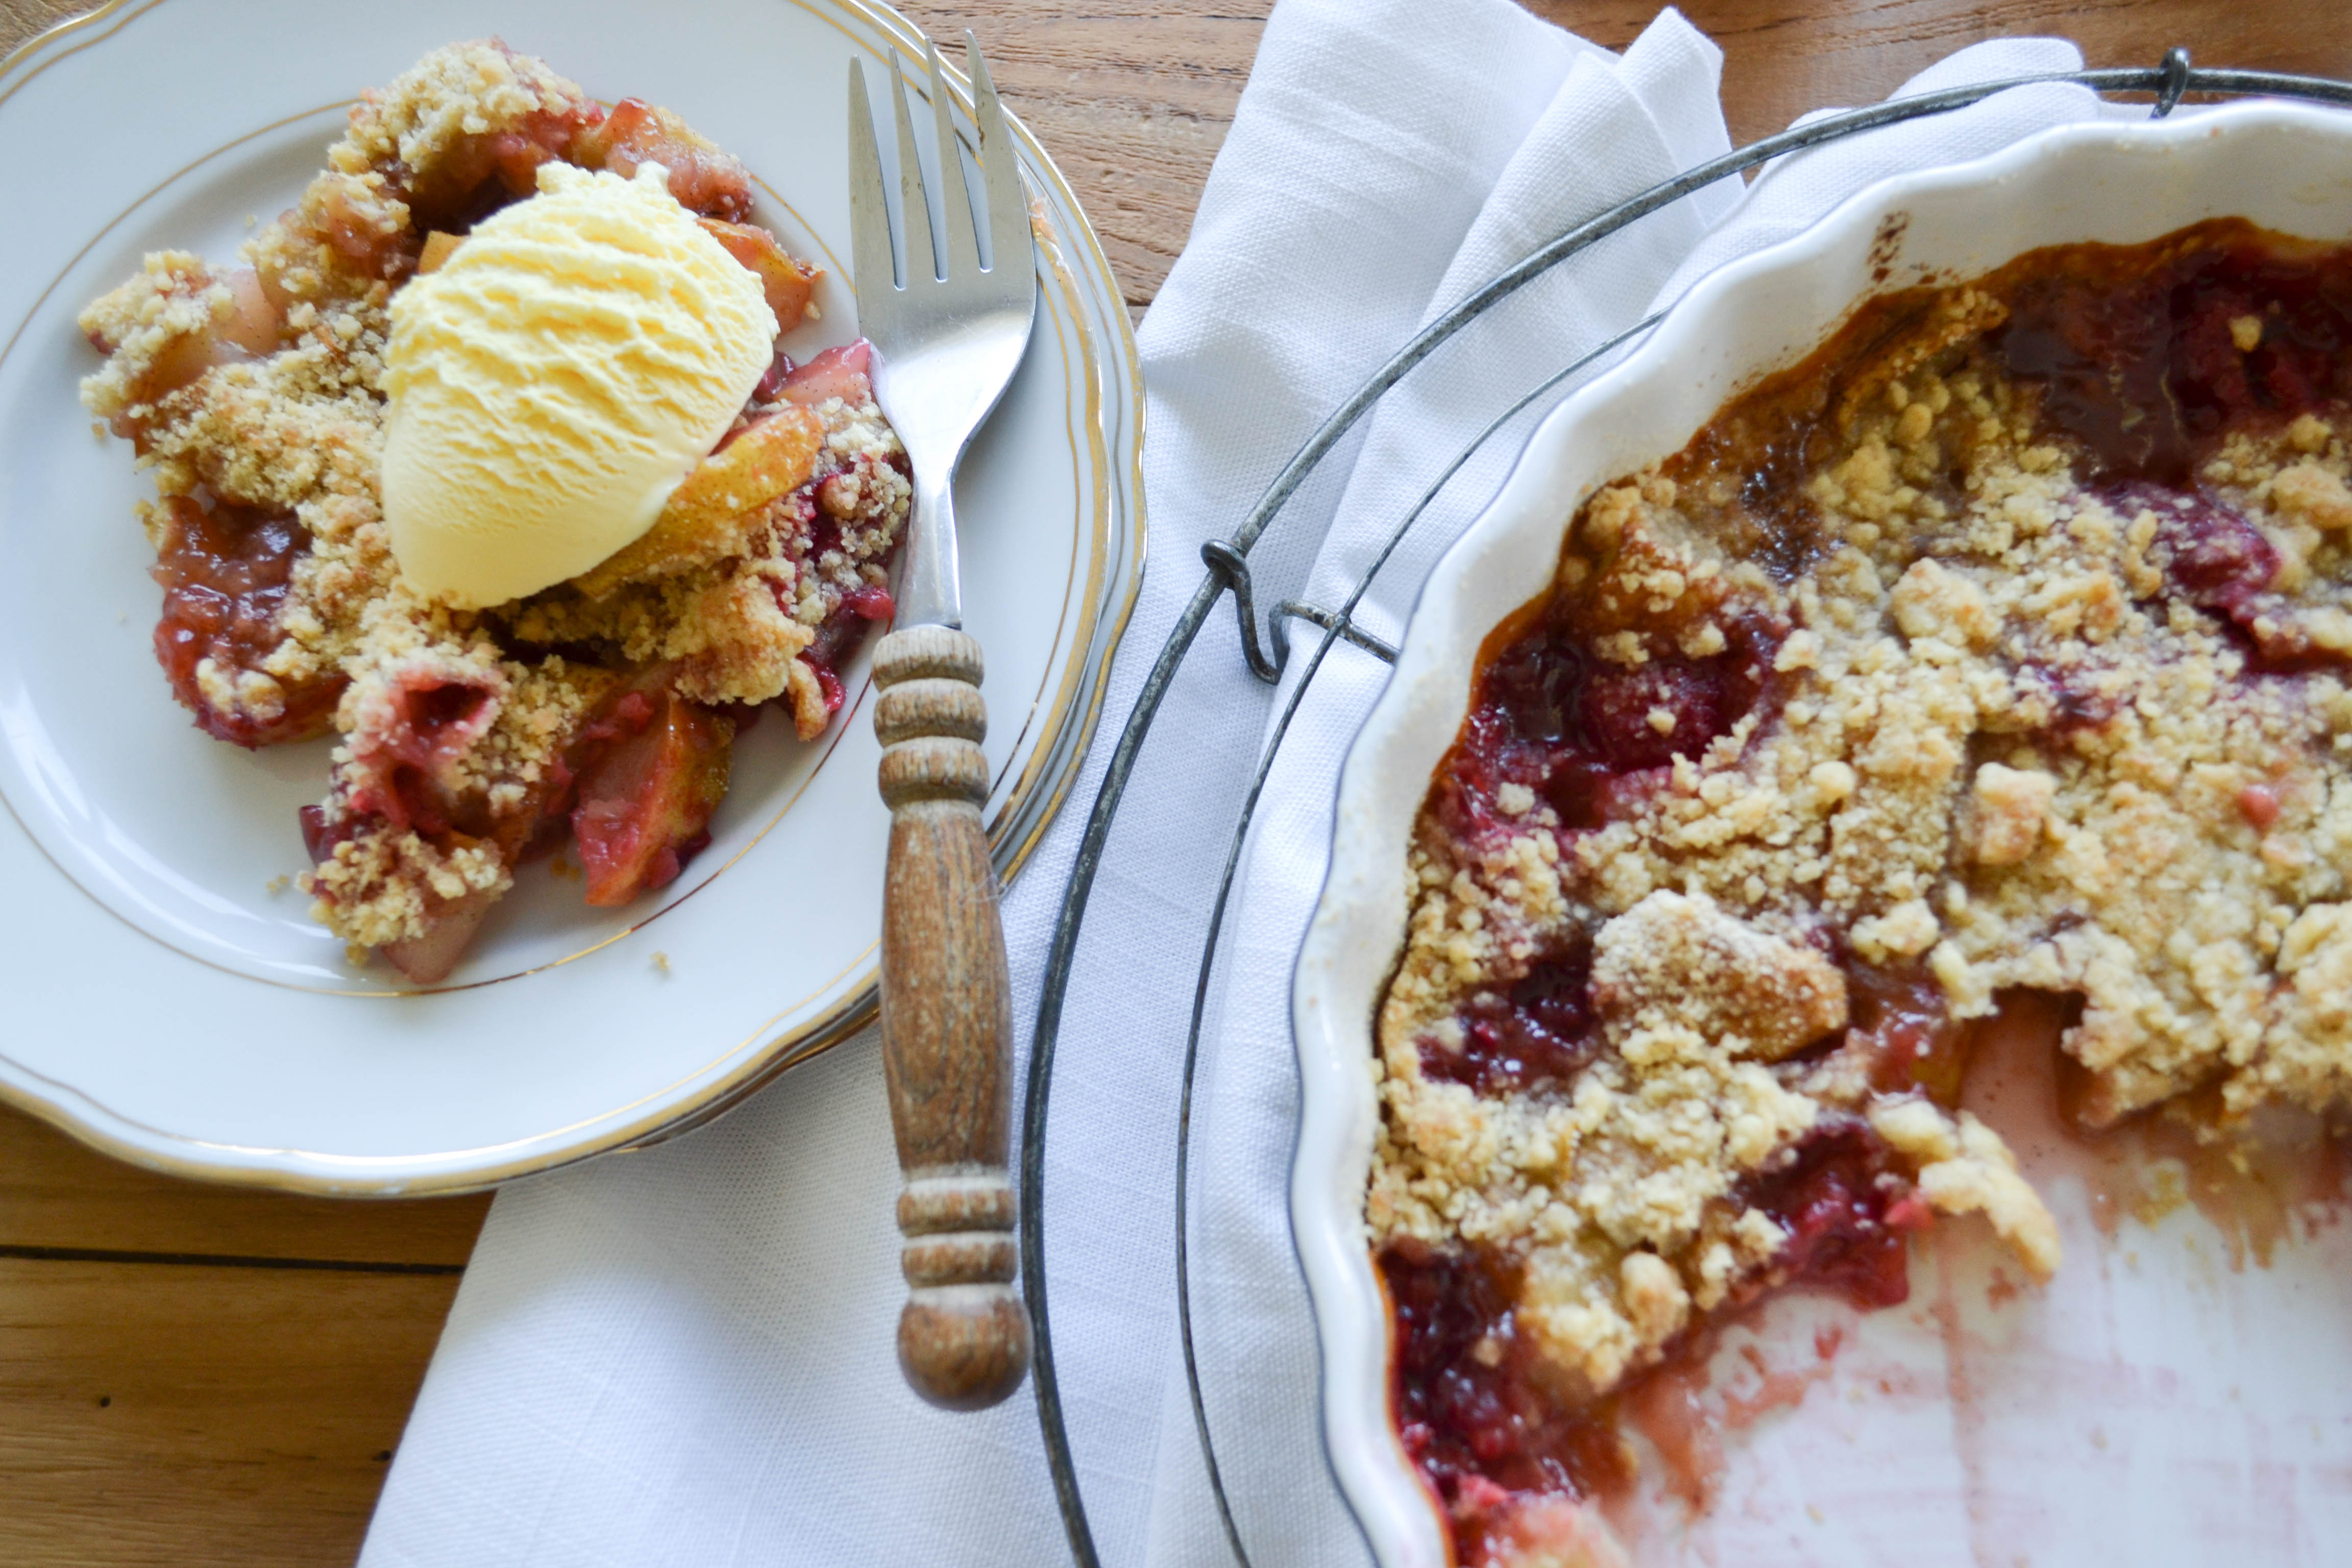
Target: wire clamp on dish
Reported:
[(1231, 564), (2172, 81)]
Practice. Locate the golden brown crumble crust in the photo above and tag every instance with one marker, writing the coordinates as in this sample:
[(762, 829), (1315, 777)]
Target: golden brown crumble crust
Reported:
[(1997, 754)]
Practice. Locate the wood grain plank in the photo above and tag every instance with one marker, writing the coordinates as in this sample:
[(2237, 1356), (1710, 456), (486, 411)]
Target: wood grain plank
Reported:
[(153, 1414), (1131, 100), (1782, 57), (20, 19), (56, 1193)]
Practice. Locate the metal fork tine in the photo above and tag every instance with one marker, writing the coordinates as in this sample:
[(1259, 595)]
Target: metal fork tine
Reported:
[(914, 211), (874, 274), (1008, 210), (963, 245)]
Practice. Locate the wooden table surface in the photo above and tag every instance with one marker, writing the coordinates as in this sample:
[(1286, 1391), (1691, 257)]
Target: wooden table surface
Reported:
[(195, 1375)]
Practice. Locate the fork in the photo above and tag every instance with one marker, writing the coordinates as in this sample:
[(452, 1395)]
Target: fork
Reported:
[(945, 343)]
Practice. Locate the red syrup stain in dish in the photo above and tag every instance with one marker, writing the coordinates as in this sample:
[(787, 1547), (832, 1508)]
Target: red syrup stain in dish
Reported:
[(2273, 1178), (1782, 1388), (2019, 1081), (1670, 1406), (1970, 1424), (2279, 1180), (2002, 1290)]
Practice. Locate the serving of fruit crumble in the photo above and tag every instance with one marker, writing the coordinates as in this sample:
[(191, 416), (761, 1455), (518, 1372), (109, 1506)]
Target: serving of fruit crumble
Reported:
[(2003, 646), (601, 709)]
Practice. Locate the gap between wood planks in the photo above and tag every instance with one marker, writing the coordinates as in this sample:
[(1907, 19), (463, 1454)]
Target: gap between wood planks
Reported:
[(218, 1260)]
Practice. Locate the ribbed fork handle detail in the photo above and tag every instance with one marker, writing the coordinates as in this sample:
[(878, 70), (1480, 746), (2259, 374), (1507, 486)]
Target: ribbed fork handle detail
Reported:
[(947, 1026)]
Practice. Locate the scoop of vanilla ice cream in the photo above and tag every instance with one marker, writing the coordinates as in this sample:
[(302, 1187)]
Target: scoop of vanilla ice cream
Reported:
[(556, 379)]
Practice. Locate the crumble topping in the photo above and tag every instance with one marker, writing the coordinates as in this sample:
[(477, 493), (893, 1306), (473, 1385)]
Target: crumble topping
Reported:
[(2001, 646), (255, 398), (1683, 959), (731, 626), (432, 116)]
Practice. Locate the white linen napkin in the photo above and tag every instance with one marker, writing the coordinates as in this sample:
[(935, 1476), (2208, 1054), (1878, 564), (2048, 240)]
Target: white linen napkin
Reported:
[(684, 1355)]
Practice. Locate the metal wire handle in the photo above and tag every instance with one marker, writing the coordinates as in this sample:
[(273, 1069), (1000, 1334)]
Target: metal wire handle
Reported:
[(1228, 567)]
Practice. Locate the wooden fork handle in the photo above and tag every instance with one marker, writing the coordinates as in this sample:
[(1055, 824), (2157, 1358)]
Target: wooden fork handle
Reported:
[(946, 1027)]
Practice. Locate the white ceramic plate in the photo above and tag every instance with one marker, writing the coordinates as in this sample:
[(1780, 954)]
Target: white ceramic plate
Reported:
[(2285, 167), (167, 997)]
